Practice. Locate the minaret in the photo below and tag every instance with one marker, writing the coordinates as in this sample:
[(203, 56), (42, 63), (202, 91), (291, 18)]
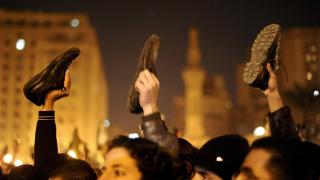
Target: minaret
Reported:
[(193, 77)]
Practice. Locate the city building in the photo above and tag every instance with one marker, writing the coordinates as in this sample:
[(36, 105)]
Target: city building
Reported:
[(28, 42)]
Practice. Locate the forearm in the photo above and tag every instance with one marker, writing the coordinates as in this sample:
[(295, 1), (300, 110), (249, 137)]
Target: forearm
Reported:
[(45, 147), (282, 124), (154, 129)]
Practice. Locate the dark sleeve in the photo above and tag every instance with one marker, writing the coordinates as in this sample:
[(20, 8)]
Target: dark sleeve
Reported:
[(282, 124), (154, 129), (45, 145)]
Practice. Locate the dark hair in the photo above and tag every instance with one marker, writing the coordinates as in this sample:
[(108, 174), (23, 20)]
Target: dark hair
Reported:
[(25, 172), (289, 158), (152, 161), (73, 169), (223, 155), (187, 153)]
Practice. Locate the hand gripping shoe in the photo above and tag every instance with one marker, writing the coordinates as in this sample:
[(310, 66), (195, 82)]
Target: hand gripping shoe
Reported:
[(147, 60), (52, 77), (264, 50)]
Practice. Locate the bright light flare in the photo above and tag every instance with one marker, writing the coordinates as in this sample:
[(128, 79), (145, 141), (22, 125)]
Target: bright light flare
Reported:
[(259, 131), (20, 44), (72, 154), (7, 158), (316, 93), (75, 22), (133, 135), (18, 162)]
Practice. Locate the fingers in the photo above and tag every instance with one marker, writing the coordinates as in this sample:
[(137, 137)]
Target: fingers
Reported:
[(270, 70), (146, 79), (67, 83)]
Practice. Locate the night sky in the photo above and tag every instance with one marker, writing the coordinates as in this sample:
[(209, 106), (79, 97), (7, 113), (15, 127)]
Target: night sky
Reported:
[(227, 29)]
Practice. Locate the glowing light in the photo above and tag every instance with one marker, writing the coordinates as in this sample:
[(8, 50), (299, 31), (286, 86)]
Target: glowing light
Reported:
[(309, 76), (106, 123), (133, 135), (316, 93), (20, 44), (7, 158), (75, 22), (259, 131), (219, 159), (72, 154), (18, 162)]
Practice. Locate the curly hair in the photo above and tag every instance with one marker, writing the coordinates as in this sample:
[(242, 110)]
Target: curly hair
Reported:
[(152, 161)]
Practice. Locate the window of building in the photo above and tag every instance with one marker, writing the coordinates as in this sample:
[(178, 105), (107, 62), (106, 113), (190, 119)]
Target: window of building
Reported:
[(8, 22), (17, 102), (18, 78), (7, 42), (19, 57), (15, 126), (16, 114), (47, 23), (5, 77), (21, 22), (6, 55), (4, 89), (34, 23), (3, 114), (4, 102), (5, 67), (19, 67)]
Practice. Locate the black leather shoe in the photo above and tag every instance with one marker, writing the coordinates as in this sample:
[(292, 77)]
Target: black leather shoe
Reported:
[(52, 77), (147, 60), (264, 50)]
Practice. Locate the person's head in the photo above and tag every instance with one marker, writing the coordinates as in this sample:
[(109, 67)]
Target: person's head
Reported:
[(221, 157), (72, 169), (187, 153), (25, 172), (276, 159), (136, 159)]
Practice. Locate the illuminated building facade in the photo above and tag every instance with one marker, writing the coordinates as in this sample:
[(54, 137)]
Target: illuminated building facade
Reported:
[(28, 42)]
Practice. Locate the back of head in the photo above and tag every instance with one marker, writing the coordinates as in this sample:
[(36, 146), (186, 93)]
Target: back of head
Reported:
[(290, 158), (223, 155), (152, 161), (187, 154), (73, 169), (24, 172)]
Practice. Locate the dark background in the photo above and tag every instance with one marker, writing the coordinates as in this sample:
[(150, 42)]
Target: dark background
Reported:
[(227, 28)]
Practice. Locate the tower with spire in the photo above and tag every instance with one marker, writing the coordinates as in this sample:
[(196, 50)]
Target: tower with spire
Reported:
[(203, 111), (193, 78)]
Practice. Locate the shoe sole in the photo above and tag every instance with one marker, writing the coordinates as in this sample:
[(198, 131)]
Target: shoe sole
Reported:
[(264, 44)]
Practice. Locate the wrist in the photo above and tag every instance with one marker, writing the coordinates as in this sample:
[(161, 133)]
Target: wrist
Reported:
[(274, 101), (150, 109), (48, 106)]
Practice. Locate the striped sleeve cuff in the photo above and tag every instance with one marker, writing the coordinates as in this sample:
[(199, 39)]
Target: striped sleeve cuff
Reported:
[(46, 115)]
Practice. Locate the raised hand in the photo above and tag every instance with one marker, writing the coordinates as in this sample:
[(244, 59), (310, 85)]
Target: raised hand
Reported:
[(272, 92), (148, 86), (56, 94)]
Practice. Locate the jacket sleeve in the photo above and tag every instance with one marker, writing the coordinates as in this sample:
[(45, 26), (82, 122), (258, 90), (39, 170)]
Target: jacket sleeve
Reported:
[(154, 129), (282, 124), (45, 146)]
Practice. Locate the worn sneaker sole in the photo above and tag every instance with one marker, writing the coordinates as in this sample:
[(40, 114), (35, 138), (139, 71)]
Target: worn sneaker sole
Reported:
[(264, 50)]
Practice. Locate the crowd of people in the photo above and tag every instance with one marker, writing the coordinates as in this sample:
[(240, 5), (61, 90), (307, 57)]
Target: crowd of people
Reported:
[(161, 155)]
